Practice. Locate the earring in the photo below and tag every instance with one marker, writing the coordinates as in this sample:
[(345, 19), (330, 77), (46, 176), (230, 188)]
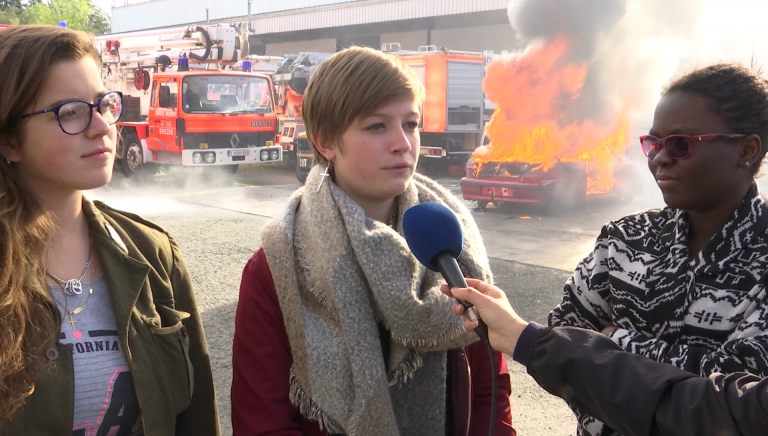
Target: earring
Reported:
[(324, 175), (746, 164), (8, 161)]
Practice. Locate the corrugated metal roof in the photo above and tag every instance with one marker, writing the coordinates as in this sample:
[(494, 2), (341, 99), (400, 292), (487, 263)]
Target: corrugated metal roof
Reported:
[(272, 16)]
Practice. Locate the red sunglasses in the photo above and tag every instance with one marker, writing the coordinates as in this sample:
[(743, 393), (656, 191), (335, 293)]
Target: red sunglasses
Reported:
[(678, 146)]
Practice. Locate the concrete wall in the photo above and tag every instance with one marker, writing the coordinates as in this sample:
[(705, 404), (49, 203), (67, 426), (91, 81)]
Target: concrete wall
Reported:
[(283, 48), (497, 37), (407, 40)]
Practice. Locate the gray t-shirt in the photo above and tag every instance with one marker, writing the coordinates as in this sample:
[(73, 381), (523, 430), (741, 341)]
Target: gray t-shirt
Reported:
[(105, 400)]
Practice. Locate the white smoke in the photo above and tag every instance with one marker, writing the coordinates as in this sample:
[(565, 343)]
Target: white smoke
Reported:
[(638, 46)]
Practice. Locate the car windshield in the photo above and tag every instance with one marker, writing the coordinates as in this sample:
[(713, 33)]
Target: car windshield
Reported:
[(226, 94)]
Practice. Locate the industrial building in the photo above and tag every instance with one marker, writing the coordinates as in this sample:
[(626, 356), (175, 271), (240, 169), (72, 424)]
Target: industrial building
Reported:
[(292, 26)]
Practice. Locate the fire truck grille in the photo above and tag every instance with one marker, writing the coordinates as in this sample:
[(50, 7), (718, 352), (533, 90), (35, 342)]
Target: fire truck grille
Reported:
[(193, 141)]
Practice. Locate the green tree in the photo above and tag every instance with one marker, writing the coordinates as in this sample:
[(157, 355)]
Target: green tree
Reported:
[(99, 22), (10, 16), (78, 14), (10, 11), (10, 4)]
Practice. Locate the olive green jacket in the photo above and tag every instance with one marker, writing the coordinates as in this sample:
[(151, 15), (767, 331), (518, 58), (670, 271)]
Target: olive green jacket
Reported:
[(152, 294)]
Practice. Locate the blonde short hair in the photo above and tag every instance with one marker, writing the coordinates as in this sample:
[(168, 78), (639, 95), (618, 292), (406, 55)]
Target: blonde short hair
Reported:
[(351, 84)]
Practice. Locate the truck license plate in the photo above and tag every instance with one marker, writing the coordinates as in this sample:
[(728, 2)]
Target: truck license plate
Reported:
[(238, 152)]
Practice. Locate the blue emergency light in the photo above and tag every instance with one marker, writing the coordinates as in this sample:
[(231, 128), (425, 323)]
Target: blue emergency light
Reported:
[(247, 66)]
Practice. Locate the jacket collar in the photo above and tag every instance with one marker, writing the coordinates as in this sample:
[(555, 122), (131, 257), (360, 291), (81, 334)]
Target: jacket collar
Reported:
[(749, 220), (124, 274)]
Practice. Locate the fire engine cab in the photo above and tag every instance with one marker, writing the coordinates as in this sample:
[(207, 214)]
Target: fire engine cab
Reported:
[(182, 105)]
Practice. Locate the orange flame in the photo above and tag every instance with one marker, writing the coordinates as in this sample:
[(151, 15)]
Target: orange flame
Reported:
[(532, 92)]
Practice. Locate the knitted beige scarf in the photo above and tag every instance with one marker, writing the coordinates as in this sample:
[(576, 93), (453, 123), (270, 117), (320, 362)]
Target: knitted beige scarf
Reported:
[(338, 274)]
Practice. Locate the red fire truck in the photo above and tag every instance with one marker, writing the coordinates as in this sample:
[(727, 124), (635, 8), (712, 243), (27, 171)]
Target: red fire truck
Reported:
[(453, 121), (182, 106)]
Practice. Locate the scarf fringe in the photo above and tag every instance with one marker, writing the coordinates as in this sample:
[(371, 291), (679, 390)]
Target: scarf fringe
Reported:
[(405, 369), (428, 343), (301, 399)]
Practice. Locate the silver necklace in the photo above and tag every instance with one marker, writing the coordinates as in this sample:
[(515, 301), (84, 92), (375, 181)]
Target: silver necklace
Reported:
[(76, 333), (73, 286)]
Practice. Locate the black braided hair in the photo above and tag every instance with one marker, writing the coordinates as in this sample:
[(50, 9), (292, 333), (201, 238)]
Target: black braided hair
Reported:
[(737, 94)]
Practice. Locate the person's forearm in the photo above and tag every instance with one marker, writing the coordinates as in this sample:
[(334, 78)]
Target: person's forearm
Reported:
[(626, 391)]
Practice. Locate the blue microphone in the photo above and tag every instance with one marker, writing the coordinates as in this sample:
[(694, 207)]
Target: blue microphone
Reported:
[(433, 234)]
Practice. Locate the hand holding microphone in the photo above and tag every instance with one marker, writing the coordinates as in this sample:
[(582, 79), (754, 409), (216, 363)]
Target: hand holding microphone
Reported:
[(504, 325), (434, 235)]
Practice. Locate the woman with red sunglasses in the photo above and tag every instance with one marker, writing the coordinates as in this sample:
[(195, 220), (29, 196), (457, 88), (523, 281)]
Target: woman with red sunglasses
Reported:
[(685, 284)]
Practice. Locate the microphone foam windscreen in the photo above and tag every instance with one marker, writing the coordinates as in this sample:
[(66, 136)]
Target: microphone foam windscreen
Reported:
[(430, 229)]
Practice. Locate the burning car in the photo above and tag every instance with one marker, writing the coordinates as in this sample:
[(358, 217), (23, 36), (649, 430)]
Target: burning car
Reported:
[(562, 186), (551, 143)]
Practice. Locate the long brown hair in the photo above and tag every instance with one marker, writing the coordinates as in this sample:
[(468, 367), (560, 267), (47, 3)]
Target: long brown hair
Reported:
[(28, 316)]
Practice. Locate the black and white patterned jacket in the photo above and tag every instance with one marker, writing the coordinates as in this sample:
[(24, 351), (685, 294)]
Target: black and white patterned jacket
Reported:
[(707, 314)]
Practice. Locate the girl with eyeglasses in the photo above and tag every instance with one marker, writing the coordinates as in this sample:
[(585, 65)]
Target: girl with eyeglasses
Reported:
[(685, 285), (99, 329)]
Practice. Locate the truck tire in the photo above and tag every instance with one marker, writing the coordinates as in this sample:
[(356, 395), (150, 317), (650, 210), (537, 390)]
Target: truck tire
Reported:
[(130, 154)]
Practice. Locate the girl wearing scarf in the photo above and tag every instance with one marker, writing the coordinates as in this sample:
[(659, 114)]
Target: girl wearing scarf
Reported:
[(339, 329)]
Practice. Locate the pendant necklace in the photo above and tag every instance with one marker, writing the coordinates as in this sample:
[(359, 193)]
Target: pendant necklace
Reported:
[(73, 287), (75, 333)]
